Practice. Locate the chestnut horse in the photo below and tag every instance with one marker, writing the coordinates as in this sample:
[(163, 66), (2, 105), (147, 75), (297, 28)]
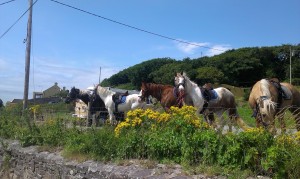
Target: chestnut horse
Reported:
[(269, 98), (223, 102), (167, 95)]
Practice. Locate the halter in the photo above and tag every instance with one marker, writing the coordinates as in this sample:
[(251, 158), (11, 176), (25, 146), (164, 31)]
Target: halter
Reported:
[(144, 95), (180, 96), (260, 104), (181, 83), (257, 114)]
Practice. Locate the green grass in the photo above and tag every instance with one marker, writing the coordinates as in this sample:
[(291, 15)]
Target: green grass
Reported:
[(198, 151)]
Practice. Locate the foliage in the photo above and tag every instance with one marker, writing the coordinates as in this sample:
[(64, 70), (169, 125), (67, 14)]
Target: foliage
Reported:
[(238, 67), (209, 75), (137, 73), (179, 136)]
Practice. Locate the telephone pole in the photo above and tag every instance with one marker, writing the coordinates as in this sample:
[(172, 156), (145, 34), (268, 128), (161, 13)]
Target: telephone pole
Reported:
[(100, 76), (27, 56), (290, 65)]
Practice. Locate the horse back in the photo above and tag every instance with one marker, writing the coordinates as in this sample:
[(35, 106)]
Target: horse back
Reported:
[(294, 92), (254, 94), (225, 98)]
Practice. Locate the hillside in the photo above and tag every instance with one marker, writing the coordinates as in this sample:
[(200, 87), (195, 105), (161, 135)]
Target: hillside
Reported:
[(238, 67)]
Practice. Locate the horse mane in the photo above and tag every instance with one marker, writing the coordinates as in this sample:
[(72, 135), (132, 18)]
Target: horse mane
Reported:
[(103, 90), (156, 85), (188, 79), (264, 88)]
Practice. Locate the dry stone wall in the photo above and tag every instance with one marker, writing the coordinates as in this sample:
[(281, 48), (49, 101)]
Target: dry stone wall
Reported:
[(28, 163)]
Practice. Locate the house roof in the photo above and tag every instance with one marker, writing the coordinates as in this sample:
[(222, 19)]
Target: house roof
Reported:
[(17, 101)]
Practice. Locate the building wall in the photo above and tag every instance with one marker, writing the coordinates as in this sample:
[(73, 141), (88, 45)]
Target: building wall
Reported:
[(81, 109), (52, 91)]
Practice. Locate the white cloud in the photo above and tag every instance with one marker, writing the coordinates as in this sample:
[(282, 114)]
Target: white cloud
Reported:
[(44, 73), (207, 49), (217, 49), (190, 47), (3, 65)]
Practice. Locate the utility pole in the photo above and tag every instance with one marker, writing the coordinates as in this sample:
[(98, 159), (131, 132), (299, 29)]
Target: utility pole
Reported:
[(100, 76), (27, 56), (290, 64)]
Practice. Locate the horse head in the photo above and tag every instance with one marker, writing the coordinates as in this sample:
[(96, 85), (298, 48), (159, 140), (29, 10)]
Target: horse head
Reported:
[(73, 95), (144, 91), (264, 100), (180, 82)]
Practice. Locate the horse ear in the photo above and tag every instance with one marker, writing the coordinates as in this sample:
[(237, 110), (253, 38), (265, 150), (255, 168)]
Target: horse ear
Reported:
[(275, 79)]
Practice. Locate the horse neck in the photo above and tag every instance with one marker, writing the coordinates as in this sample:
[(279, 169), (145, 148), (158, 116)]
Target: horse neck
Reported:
[(193, 90), (155, 90), (103, 92), (84, 97), (264, 88), (189, 85)]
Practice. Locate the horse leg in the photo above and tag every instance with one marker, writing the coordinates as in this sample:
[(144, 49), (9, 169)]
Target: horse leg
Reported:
[(237, 119), (210, 119), (282, 122), (296, 113), (111, 116), (272, 127), (222, 122)]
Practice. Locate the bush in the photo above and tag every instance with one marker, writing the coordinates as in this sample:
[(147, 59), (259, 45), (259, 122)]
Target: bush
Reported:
[(179, 136)]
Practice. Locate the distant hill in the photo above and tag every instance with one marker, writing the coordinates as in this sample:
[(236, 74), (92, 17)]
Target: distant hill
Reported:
[(239, 67)]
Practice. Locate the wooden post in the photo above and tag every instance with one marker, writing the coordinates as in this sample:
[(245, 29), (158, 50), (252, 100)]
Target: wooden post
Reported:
[(88, 118), (27, 57)]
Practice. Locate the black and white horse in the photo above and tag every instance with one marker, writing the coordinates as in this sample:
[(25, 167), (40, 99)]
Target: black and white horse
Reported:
[(96, 108)]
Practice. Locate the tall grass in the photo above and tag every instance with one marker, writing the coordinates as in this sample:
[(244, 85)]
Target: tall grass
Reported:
[(177, 137)]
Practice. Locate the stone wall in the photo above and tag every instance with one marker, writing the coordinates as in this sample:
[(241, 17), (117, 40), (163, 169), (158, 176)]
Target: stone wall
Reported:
[(28, 163)]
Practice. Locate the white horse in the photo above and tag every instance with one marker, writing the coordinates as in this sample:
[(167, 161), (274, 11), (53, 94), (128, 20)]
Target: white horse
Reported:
[(224, 101), (133, 101)]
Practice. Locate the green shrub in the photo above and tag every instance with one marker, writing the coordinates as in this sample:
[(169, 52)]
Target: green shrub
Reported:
[(177, 137), (282, 158), (53, 132)]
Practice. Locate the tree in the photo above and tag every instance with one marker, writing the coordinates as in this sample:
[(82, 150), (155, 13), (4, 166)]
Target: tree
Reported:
[(209, 75)]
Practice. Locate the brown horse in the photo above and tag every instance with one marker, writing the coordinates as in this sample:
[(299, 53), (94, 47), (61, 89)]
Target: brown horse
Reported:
[(269, 98), (167, 95)]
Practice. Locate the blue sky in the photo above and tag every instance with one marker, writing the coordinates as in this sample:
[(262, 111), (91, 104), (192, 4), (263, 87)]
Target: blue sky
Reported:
[(69, 46)]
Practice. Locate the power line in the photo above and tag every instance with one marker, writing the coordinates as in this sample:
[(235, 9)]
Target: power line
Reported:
[(6, 2), (16, 21), (133, 27)]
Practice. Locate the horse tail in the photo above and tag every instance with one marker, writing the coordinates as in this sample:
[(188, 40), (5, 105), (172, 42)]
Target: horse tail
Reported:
[(237, 119), (296, 114), (240, 122)]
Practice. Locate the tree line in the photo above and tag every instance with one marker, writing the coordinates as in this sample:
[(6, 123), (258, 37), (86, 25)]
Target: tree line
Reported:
[(238, 67)]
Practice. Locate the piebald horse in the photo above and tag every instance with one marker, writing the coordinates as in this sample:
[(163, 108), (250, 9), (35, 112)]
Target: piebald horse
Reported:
[(133, 101), (96, 105), (224, 102), (269, 98), (167, 95)]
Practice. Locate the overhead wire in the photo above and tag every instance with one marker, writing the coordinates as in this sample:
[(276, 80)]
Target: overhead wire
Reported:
[(133, 27), (16, 21), (6, 2)]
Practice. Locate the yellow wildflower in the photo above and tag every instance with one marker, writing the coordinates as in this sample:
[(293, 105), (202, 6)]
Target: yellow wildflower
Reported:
[(120, 126)]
